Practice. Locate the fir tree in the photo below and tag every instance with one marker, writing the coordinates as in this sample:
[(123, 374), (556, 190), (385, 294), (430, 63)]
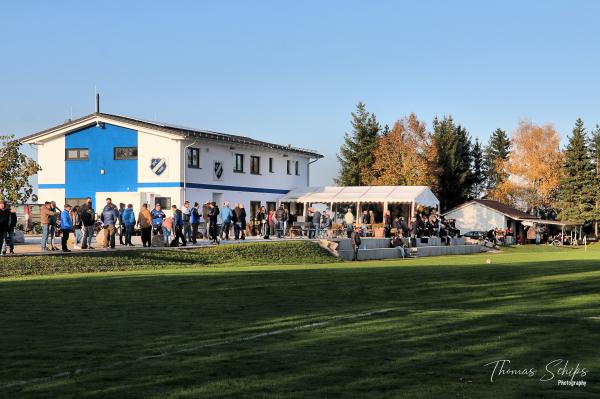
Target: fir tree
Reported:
[(356, 154), (595, 155), (454, 160), (478, 171), (495, 154), (576, 191)]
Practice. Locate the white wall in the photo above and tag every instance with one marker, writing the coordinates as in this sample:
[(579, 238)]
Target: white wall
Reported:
[(152, 146), (51, 157), (52, 194), (477, 217)]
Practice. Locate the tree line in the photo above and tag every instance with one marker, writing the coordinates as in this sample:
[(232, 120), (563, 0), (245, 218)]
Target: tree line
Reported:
[(528, 170)]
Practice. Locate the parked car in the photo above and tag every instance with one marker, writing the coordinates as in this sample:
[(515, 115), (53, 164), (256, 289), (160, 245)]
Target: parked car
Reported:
[(476, 234)]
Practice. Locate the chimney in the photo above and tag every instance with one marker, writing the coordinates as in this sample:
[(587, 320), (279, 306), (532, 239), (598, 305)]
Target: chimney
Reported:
[(97, 103)]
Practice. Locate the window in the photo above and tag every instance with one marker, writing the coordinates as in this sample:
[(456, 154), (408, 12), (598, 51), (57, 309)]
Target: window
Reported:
[(271, 206), (125, 153), (271, 167), (297, 167), (76, 154), (289, 167), (193, 158), (75, 201), (165, 202), (239, 163), (255, 165)]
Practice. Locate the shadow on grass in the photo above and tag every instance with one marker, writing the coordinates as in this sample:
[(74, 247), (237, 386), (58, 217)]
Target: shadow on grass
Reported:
[(458, 318)]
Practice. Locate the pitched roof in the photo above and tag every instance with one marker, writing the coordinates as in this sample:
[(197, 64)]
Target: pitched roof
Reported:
[(183, 131), (498, 206)]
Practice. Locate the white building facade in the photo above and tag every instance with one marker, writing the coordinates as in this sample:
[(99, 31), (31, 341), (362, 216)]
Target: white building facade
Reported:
[(134, 161)]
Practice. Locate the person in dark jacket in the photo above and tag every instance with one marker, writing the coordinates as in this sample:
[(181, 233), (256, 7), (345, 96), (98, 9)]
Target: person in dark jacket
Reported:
[(280, 218), (88, 220), (213, 216), (239, 227), (316, 224), (66, 226), (178, 226), (4, 221), (205, 218), (387, 224), (110, 217), (157, 218), (195, 222), (9, 242), (122, 229), (356, 241)]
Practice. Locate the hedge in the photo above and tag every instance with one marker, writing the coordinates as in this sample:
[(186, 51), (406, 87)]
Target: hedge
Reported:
[(245, 254)]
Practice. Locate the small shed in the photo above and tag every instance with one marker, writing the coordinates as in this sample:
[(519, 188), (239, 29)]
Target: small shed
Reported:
[(485, 214)]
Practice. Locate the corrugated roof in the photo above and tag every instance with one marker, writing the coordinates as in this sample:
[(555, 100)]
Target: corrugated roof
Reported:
[(178, 130)]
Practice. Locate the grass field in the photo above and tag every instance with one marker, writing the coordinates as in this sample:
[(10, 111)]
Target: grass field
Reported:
[(421, 328)]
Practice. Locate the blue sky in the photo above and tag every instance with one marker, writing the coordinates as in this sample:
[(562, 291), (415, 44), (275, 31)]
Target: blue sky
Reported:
[(291, 72)]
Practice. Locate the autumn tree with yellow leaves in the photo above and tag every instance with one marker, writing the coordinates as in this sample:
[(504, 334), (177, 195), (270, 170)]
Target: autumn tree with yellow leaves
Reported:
[(534, 167), (405, 156)]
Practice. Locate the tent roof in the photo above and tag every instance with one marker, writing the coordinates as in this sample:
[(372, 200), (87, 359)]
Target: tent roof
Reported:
[(421, 195)]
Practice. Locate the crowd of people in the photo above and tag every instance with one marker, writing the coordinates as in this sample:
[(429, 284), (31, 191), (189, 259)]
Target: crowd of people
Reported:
[(208, 221)]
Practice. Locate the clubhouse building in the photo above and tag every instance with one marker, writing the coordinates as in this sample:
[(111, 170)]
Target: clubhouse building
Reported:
[(138, 161)]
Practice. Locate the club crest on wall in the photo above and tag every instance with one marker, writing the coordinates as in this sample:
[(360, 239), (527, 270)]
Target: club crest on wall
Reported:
[(218, 170), (158, 165)]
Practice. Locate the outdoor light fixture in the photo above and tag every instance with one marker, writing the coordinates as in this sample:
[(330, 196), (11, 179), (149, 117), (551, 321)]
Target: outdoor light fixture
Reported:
[(102, 171)]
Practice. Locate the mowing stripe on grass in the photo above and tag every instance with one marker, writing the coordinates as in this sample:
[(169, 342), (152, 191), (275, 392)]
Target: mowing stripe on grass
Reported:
[(316, 324)]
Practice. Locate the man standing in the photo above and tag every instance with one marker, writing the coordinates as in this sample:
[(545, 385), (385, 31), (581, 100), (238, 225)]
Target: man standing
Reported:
[(213, 216), (205, 210), (349, 222), (157, 218), (109, 217), (226, 216), (178, 226), (88, 219), (45, 219), (66, 225), (53, 224), (355, 242), (10, 234), (121, 224), (316, 221), (187, 226), (4, 222), (280, 218), (128, 218), (195, 221)]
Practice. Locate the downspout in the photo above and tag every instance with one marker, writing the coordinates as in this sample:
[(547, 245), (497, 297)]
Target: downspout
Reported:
[(185, 170)]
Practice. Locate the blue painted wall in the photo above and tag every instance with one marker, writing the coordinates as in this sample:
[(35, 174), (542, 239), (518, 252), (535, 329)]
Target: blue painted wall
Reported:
[(83, 178)]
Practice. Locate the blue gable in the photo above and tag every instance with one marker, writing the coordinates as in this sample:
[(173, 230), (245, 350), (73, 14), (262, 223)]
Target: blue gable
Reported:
[(83, 177)]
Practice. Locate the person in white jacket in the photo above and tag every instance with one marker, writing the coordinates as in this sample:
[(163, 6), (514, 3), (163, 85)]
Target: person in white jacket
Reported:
[(349, 222)]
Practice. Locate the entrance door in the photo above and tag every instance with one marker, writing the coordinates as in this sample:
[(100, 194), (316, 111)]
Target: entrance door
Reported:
[(218, 198)]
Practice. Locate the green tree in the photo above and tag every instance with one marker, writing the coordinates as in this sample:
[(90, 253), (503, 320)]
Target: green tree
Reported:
[(495, 155), (15, 170), (454, 161), (595, 155), (478, 170), (576, 194), (356, 154)]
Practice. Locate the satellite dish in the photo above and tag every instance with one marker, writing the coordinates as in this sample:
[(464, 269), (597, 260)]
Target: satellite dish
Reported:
[(34, 198)]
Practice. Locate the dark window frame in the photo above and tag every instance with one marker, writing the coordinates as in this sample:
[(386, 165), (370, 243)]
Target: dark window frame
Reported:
[(79, 157), (166, 201), (289, 167), (241, 164), (271, 165), (190, 162), (254, 158), (128, 156), (297, 168)]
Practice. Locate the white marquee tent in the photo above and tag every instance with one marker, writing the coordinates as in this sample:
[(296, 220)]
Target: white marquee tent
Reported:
[(413, 195)]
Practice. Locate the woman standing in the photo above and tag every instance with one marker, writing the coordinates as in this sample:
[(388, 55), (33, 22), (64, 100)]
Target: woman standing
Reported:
[(261, 217), (66, 225), (76, 218)]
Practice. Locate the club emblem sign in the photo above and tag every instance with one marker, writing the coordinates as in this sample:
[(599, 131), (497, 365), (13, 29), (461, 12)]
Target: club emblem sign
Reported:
[(158, 165), (218, 170)]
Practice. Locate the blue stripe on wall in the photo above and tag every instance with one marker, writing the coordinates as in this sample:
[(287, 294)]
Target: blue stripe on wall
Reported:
[(216, 187)]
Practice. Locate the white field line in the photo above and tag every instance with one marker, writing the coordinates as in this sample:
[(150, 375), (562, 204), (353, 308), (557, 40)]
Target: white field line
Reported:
[(323, 323)]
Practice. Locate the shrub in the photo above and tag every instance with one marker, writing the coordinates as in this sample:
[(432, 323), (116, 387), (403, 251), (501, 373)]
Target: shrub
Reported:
[(246, 254)]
